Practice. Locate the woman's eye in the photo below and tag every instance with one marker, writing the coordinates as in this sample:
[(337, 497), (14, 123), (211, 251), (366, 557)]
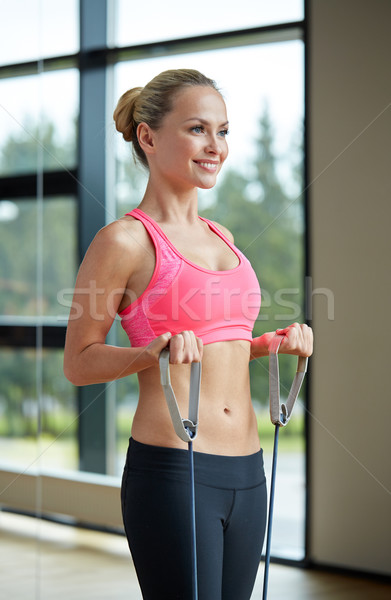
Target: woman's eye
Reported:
[(201, 129)]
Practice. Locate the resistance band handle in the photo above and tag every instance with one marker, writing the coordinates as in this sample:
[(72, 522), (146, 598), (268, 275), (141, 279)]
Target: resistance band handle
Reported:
[(281, 413), (186, 429)]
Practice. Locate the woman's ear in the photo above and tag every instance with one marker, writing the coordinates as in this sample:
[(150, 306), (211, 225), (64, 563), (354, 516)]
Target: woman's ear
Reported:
[(146, 138)]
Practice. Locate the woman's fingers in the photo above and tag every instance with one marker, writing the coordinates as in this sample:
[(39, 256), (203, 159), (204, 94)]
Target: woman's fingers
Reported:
[(185, 348), (200, 348), (298, 339), (157, 345)]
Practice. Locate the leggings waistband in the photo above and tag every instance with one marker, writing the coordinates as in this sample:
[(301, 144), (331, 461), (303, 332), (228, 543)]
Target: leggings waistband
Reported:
[(214, 470)]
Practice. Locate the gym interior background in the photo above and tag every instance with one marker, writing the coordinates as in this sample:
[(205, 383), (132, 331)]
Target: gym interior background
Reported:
[(306, 193)]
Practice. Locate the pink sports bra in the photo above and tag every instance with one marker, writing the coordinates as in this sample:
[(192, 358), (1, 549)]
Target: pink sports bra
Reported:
[(216, 305)]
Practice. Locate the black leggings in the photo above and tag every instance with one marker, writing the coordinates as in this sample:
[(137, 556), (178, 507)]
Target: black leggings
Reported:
[(230, 522)]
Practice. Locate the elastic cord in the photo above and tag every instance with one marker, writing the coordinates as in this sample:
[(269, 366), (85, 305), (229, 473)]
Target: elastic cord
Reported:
[(193, 522)]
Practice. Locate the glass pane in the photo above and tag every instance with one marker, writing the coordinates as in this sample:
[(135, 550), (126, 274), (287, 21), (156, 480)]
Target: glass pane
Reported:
[(258, 197), (173, 19), (21, 406), (33, 29), (18, 249), (58, 443), (47, 122)]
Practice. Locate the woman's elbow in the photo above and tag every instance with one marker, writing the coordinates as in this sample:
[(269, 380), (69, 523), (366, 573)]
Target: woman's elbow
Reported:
[(72, 372)]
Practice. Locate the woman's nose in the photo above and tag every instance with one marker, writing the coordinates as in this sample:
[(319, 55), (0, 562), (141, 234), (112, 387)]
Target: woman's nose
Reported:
[(213, 146)]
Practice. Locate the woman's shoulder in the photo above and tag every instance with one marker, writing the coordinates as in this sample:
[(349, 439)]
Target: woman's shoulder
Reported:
[(228, 234), (122, 240), (125, 232)]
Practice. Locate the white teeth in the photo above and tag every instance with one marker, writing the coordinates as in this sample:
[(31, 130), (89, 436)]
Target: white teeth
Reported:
[(208, 165)]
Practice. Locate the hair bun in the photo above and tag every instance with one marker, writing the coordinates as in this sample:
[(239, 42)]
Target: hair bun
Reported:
[(123, 115)]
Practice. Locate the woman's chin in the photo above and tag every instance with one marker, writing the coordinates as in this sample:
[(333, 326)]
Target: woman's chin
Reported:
[(207, 186)]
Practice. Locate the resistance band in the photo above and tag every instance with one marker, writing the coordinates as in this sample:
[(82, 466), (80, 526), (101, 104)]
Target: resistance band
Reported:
[(280, 413), (186, 430)]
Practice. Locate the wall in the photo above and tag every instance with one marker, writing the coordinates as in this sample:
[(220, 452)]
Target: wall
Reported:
[(350, 219)]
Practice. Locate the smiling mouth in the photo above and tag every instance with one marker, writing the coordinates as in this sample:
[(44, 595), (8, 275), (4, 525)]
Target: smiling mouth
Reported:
[(209, 166)]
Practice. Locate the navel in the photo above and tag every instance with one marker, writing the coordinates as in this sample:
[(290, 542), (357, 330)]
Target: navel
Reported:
[(227, 410)]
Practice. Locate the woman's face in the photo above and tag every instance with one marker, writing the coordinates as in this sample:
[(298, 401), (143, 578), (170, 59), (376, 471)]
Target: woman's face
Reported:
[(191, 146)]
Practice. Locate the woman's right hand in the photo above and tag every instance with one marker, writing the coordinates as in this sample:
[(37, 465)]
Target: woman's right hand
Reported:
[(185, 347)]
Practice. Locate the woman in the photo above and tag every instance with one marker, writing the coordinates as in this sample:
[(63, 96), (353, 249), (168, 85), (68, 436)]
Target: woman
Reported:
[(176, 279)]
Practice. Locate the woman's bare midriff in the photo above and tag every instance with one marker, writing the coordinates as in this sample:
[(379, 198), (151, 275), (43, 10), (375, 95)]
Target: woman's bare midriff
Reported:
[(227, 422)]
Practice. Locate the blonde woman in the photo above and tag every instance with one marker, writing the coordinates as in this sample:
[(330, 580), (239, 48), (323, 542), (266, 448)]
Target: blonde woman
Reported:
[(177, 279)]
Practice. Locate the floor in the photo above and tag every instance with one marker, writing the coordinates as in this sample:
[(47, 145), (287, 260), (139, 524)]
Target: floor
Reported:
[(46, 561)]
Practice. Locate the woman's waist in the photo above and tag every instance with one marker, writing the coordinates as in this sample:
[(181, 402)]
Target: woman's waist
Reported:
[(222, 471), (224, 428)]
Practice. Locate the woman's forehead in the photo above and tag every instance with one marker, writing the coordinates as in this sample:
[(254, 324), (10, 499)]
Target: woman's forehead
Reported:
[(200, 102)]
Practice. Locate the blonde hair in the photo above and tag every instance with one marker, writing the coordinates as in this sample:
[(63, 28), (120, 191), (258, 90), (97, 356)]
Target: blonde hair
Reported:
[(151, 103)]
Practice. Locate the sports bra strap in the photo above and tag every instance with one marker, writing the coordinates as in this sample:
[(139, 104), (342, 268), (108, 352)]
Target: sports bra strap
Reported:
[(281, 413), (186, 429)]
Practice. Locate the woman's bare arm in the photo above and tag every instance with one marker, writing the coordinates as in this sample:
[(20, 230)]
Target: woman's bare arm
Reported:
[(100, 286)]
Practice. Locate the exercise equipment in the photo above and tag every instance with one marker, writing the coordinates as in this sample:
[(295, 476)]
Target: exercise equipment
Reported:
[(280, 413), (186, 430)]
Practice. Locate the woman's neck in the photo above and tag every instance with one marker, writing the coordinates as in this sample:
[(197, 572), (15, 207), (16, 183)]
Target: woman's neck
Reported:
[(166, 205)]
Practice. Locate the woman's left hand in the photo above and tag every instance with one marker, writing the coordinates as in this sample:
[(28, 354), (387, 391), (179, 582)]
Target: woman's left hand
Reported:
[(298, 340)]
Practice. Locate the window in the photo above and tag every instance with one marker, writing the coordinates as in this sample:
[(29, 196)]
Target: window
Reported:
[(38, 233), (19, 242), (34, 29), (45, 124), (205, 18), (38, 416), (64, 172)]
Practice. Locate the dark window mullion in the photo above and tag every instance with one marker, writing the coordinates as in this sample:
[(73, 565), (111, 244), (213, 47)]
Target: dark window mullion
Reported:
[(91, 194), (25, 336), (24, 186)]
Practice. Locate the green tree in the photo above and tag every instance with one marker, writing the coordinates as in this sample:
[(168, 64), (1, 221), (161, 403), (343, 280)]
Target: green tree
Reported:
[(21, 152)]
